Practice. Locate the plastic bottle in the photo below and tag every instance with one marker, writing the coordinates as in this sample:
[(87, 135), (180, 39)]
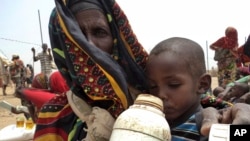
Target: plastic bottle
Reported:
[(143, 121)]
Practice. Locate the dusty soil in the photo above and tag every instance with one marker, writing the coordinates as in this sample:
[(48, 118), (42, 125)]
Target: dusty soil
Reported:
[(7, 118)]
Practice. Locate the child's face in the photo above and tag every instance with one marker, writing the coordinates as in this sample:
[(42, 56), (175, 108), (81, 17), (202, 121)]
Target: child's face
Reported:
[(170, 80)]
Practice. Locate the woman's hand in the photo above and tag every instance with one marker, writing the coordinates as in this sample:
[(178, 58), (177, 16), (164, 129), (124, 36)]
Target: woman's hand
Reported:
[(237, 114)]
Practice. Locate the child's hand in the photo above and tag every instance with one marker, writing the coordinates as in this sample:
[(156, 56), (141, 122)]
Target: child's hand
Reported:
[(210, 116)]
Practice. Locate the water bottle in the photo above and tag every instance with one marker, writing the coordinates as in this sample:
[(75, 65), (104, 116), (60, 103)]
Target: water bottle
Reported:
[(143, 121)]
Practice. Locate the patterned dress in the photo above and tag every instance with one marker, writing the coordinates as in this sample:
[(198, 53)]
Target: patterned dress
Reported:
[(226, 56)]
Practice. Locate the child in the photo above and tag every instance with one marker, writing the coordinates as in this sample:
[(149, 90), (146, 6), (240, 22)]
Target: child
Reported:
[(236, 91), (177, 74)]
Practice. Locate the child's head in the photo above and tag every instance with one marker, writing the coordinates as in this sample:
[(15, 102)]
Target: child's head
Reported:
[(218, 90), (177, 74)]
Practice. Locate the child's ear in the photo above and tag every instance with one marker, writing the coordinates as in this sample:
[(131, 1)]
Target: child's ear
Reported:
[(204, 83)]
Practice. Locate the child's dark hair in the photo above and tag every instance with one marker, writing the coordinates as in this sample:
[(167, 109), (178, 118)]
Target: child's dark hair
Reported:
[(188, 50)]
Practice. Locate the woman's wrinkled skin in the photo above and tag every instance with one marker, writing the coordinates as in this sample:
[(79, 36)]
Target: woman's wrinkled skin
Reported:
[(94, 26)]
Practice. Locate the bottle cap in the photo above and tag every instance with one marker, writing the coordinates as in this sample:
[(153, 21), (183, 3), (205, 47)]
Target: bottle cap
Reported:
[(148, 99)]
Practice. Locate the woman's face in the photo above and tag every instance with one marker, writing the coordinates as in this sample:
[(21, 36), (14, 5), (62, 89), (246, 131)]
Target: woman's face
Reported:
[(95, 27)]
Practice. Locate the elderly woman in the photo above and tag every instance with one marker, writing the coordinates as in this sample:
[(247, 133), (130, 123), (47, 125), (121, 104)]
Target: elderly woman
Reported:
[(98, 54), (103, 63)]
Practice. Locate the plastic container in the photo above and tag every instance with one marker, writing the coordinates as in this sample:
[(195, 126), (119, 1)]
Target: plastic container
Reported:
[(219, 132), (143, 121)]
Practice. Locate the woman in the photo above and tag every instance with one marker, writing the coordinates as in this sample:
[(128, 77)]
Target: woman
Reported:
[(244, 59), (103, 63), (97, 52), (40, 92), (226, 55), (244, 55)]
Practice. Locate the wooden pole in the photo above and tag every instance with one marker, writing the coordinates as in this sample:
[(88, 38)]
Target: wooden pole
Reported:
[(207, 56), (40, 26)]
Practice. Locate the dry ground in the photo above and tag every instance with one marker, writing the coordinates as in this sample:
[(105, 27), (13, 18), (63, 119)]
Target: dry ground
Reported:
[(7, 118)]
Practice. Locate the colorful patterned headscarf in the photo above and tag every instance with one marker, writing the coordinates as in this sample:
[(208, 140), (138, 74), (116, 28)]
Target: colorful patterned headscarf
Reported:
[(99, 78), (92, 74)]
